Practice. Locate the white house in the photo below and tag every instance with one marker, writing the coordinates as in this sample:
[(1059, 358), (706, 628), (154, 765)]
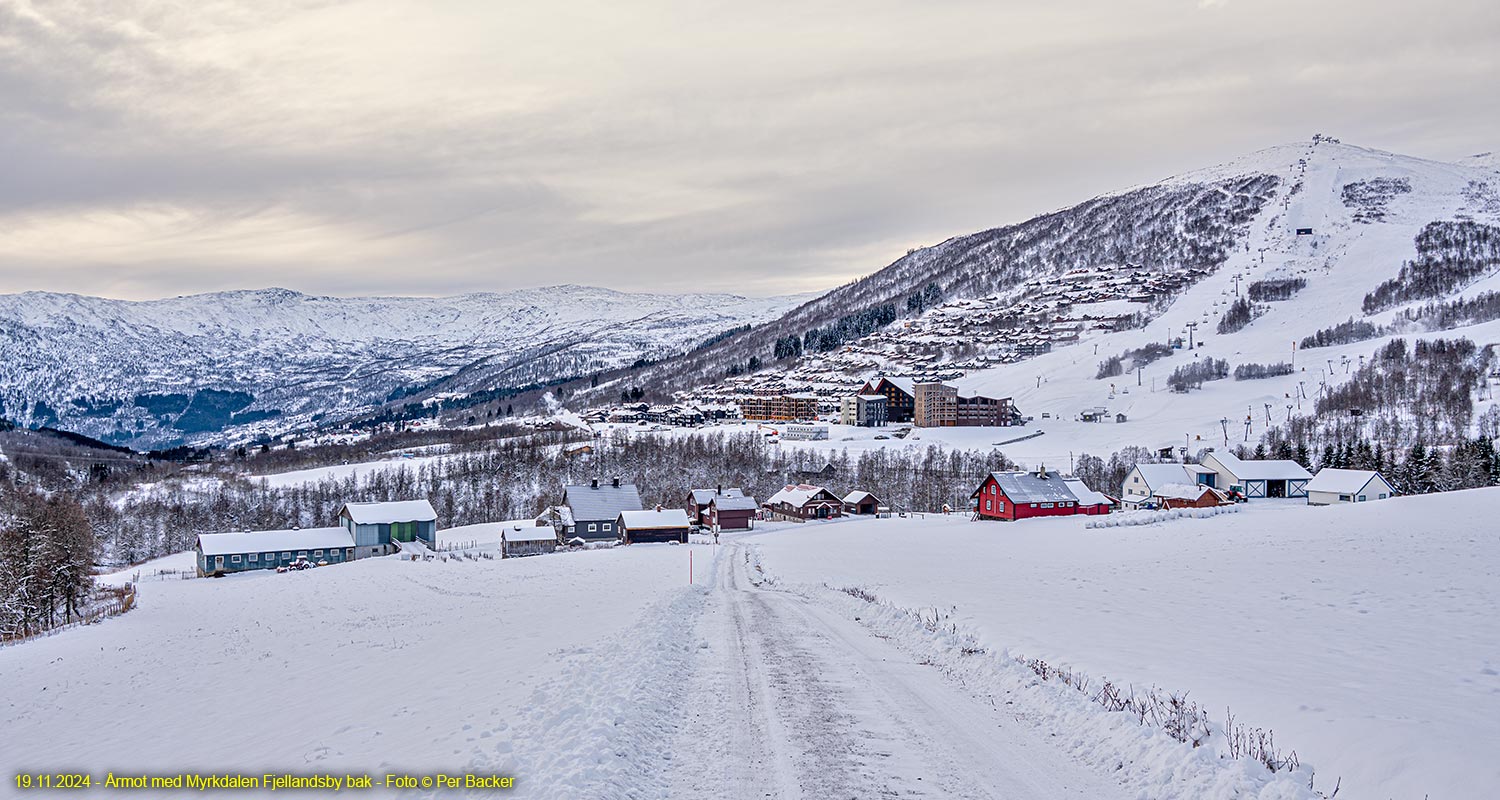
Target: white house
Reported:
[(1264, 478), (1332, 486), (1143, 482)]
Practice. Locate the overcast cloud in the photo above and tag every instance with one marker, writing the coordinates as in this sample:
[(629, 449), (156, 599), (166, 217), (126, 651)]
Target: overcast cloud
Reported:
[(153, 149)]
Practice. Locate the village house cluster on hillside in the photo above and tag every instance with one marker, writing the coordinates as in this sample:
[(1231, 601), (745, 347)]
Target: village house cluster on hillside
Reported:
[(611, 511), (947, 342)]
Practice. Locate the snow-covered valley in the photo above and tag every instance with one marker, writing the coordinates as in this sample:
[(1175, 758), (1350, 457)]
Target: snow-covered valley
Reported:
[(1362, 636)]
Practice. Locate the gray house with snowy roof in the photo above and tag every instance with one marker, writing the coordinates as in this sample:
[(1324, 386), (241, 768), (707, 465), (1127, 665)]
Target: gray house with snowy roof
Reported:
[(596, 506)]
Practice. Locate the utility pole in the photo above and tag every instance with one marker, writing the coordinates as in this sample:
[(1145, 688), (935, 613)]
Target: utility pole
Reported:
[(1224, 423)]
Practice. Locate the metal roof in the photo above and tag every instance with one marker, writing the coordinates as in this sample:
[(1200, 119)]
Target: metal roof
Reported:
[(601, 503), (857, 496), (1026, 487), (394, 511), (219, 544)]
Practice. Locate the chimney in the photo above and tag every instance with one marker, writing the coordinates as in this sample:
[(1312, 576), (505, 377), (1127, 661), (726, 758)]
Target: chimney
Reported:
[(719, 489), (658, 507), (617, 481), (593, 483)]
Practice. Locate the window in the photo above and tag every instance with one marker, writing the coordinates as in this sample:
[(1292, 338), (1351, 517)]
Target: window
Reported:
[(593, 527), (1135, 479), (234, 559), (606, 525), (987, 505), (1046, 505), (1344, 498), (1361, 498), (1382, 495), (1033, 505), (302, 554), (318, 553), (286, 555), (255, 556)]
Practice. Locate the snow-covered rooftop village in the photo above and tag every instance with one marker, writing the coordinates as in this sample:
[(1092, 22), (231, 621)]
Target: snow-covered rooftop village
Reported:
[(783, 402)]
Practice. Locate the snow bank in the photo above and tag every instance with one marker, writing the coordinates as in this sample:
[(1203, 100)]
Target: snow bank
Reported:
[(1140, 754), (1364, 636)]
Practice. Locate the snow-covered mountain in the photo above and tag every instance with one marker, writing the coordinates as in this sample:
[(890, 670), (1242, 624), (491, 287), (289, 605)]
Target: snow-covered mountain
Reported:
[(1294, 239), (160, 372)]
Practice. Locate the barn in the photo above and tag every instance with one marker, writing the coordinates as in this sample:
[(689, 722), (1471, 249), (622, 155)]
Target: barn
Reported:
[(699, 500), (1333, 486), (802, 502), (1258, 478), (527, 540), (1144, 479), (732, 513), (1018, 495), (655, 525), (861, 503), (594, 508), (379, 528), (222, 553)]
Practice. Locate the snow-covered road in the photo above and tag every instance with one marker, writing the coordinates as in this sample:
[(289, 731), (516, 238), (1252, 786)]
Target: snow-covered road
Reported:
[(791, 700)]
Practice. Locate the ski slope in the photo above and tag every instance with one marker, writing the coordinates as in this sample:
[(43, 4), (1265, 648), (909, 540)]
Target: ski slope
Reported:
[(1365, 637), (1341, 261)]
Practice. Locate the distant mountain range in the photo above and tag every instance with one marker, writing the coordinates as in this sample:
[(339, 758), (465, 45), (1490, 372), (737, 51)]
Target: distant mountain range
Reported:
[(234, 365), (231, 366)]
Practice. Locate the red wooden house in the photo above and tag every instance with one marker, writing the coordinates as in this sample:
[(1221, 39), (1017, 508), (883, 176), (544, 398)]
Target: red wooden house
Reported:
[(1018, 495)]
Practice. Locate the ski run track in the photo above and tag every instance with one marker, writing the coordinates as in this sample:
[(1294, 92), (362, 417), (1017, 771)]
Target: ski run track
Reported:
[(605, 674)]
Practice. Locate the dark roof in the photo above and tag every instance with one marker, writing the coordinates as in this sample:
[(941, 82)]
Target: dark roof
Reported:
[(1026, 487), (602, 502)]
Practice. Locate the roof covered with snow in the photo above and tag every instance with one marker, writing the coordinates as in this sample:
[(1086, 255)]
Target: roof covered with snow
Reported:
[(218, 544), (1341, 481), (1085, 495), (702, 497), (602, 502), (1181, 491), (388, 512), (1262, 470), (1156, 475), (654, 519), (528, 533), (1029, 487), (798, 495), (735, 503), (858, 496)]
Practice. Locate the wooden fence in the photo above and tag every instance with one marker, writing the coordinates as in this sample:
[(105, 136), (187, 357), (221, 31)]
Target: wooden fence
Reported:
[(107, 602)]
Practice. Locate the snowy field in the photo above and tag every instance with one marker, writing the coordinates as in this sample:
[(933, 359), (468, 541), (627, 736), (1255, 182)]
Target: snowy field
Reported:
[(376, 665), (1366, 637)]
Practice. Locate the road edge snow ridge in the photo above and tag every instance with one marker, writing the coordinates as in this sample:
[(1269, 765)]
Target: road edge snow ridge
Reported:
[(1141, 744)]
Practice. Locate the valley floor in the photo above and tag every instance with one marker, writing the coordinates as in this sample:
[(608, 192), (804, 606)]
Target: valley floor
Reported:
[(1366, 637)]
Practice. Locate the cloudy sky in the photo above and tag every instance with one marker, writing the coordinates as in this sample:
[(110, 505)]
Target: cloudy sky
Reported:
[(150, 149)]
